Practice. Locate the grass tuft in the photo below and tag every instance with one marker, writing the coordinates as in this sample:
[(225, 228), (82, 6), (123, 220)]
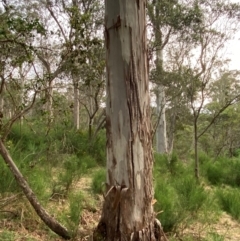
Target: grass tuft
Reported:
[(98, 180), (229, 200)]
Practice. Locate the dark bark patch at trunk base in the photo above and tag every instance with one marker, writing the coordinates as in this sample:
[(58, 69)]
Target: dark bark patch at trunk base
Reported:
[(154, 232)]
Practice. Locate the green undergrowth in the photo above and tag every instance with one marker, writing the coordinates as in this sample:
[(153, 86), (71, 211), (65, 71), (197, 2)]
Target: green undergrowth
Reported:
[(7, 235), (51, 160), (35, 143), (229, 200), (98, 181), (223, 171), (181, 200), (72, 219), (55, 161)]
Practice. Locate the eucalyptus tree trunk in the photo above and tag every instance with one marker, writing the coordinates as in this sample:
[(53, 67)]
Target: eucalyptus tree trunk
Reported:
[(91, 112), (2, 99), (161, 132), (1, 105), (127, 210), (49, 101), (76, 108), (196, 169), (21, 92), (171, 132), (6, 109), (75, 103), (173, 113)]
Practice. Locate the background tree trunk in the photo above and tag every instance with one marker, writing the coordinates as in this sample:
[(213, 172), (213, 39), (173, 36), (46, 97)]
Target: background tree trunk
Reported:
[(161, 132), (76, 103), (49, 101), (196, 170), (2, 100), (127, 210), (171, 130)]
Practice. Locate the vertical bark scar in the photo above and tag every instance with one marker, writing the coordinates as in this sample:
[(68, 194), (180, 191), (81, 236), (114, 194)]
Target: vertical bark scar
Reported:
[(133, 101), (135, 78), (106, 33), (116, 25), (138, 4)]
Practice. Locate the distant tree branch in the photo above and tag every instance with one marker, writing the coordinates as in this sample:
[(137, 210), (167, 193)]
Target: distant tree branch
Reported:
[(56, 20), (17, 116), (230, 102)]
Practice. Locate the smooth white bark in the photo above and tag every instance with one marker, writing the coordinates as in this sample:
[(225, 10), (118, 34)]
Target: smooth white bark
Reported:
[(161, 133), (127, 211)]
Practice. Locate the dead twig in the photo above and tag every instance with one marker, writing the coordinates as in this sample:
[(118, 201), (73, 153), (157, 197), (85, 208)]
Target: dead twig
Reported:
[(8, 200)]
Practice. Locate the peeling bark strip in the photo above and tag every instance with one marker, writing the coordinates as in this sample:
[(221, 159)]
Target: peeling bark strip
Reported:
[(46, 218), (127, 211)]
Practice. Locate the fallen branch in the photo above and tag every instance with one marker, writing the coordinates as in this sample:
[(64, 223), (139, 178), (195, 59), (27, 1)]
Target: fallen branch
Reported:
[(41, 212)]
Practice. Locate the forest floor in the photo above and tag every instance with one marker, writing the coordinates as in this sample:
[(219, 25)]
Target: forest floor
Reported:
[(224, 229), (19, 222)]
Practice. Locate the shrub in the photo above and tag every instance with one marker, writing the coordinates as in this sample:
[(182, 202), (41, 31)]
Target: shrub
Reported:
[(78, 166), (98, 180), (72, 216), (236, 172), (165, 165), (24, 138), (7, 180), (32, 142), (229, 201), (214, 237), (167, 205), (191, 196), (78, 142), (98, 148), (223, 171), (75, 209), (75, 142), (7, 235), (215, 173), (173, 163), (236, 153), (176, 166), (203, 157), (72, 169), (86, 162), (160, 164), (39, 180)]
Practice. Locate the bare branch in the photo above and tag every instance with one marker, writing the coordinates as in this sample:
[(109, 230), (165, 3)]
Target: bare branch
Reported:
[(230, 102), (56, 20), (17, 116)]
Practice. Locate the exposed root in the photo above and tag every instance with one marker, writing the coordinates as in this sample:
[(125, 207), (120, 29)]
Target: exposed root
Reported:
[(158, 231)]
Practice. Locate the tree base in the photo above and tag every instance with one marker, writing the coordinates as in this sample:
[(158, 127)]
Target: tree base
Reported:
[(152, 233)]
